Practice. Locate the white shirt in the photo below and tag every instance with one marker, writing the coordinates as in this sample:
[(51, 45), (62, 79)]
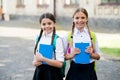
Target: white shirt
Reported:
[(80, 37), (59, 51)]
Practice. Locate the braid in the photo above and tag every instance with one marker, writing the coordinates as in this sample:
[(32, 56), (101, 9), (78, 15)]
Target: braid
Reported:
[(54, 31), (38, 41), (71, 41), (90, 36), (73, 26)]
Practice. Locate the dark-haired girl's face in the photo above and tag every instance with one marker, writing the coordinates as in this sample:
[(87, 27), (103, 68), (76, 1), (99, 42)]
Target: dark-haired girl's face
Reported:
[(47, 25), (80, 20)]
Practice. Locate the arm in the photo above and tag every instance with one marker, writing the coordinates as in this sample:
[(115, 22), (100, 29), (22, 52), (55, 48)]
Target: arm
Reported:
[(36, 63), (94, 53), (52, 62)]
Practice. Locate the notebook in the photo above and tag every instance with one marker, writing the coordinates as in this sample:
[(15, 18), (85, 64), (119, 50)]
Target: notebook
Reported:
[(83, 57), (46, 51)]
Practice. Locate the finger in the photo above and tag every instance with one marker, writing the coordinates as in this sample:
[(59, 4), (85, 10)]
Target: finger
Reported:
[(87, 51), (38, 63)]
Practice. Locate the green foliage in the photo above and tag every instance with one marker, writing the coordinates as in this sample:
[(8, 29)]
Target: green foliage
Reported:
[(111, 51)]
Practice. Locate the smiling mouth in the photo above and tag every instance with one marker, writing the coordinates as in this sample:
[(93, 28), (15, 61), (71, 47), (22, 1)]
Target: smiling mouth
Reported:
[(47, 28), (79, 23)]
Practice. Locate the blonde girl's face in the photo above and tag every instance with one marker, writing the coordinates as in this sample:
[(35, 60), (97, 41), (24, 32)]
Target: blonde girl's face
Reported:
[(47, 25), (80, 20)]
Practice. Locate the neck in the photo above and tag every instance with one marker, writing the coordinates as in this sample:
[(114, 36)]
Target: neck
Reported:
[(81, 29), (45, 33)]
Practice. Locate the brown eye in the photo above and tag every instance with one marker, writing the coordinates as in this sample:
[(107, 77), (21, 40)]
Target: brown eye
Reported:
[(82, 17), (76, 17), (49, 23), (43, 24)]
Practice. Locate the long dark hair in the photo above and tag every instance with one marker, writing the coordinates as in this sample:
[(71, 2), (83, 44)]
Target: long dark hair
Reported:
[(83, 10), (51, 17)]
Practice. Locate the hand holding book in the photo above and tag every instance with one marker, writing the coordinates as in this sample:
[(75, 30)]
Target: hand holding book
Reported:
[(89, 50), (75, 51), (71, 52), (83, 57), (39, 57), (37, 63)]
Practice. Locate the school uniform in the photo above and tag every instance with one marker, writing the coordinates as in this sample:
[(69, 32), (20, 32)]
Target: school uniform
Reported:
[(78, 71), (47, 72)]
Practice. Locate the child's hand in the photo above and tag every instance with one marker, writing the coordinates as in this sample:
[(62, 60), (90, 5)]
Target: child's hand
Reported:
[(39, 57), (89, 50), (72, 52), (75, 51), (37, 63)]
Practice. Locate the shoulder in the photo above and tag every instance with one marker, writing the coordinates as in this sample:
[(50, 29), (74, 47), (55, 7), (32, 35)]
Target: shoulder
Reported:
[(36, 38), (59, 38), (56, 39)]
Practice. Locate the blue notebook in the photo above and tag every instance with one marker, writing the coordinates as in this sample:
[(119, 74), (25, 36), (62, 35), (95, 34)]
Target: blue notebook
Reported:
[(46, 51), (83, 57)]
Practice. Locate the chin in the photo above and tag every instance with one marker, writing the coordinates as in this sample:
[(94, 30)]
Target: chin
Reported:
[(79, 27)]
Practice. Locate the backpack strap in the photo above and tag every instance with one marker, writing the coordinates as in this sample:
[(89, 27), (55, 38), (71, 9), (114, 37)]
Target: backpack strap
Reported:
[(36, 39), (54, 41), (54, 45), (69, 37), (93, 36)]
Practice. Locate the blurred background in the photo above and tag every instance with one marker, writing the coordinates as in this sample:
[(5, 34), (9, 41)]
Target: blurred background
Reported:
[(104, 15), (19, 24)]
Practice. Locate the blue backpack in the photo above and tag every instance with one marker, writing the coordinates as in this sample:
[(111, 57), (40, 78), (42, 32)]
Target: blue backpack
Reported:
[(64, 63)]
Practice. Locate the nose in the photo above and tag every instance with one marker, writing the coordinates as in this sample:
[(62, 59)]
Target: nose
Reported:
[(46, 25), (79, 19)]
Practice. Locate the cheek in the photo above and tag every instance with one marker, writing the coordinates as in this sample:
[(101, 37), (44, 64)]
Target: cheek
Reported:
[(85, 21), (51, 28), (42, 27), (75, 21)]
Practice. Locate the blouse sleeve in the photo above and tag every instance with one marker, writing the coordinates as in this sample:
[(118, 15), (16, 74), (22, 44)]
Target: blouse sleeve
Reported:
[(97, 49), (59, 50), (65, 42)]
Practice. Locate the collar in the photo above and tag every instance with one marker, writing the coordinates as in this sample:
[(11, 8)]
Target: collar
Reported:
[(76, 31), (47, 35)]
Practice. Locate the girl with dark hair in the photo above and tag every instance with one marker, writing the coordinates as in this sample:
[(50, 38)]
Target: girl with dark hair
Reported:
[(51, 69), (81, 34)]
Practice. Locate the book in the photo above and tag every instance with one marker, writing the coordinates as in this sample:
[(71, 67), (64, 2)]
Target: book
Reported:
[(83, 57), (46, 51)]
